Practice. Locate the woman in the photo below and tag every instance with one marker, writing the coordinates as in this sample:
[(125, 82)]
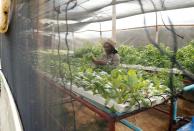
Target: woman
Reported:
[(111, 56)]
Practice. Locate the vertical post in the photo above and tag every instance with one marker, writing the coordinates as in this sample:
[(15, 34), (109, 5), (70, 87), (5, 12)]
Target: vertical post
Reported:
[(73, 41), (100, 32), (157, 29), (111, 125), (53, 38), (114, 20), (173, 114)]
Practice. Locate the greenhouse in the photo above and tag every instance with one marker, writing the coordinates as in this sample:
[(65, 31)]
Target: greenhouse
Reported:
[(97, 65)]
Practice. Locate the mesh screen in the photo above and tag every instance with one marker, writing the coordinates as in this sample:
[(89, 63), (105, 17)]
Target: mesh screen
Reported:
[(41, 62)]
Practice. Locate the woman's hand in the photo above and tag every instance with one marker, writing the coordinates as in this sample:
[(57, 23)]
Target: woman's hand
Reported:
[(99, 62), (94, 61)]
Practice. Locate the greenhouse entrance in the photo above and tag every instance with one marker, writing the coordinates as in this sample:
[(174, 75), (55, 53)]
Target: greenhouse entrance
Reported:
[(87, 65)]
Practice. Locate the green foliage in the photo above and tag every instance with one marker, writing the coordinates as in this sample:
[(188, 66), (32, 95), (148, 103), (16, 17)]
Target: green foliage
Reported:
[(147, 56), (185, 56), (123, 85), (88, 50), (151, 56), (120, 84), (129, 54)]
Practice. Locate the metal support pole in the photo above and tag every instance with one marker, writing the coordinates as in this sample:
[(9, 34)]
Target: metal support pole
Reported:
[(157, 29), (100, 32), (53, 38), (130, 125), (114, 20), (111, 126), (73, 41), (173, 114)]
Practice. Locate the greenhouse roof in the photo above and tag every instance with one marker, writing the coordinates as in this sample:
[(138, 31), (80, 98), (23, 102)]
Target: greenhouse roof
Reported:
[(92, 11)]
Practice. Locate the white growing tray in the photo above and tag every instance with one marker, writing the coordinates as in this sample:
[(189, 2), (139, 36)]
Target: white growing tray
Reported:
[(155, 100)]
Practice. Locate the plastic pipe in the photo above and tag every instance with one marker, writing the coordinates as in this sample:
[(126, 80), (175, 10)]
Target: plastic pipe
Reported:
[(174, 110), (130, 125), (188, 88)]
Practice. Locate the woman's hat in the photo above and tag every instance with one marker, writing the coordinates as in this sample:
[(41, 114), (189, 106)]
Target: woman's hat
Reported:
[(110, 42)]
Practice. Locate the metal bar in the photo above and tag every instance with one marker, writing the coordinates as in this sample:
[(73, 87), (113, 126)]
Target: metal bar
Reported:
[(93, 108), (114, 18), (130, 125), (157, 29), (111, 126), (170, 127), (163, 111), (124, 115), (101, 107), (121, 116), (100, 31), (174, 113), (123, 29)]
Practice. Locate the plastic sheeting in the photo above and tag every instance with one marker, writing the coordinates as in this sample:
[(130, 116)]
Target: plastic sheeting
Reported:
[(41, 106), (90, 11)]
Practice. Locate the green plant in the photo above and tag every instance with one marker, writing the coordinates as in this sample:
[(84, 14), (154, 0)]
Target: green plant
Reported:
[(151, 56), (125, 85), (129, 54), (119, 84), (185, 56), (95, 50), (148, 55)]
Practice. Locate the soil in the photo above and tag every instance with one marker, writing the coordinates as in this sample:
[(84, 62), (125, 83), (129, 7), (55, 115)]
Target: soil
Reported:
[(150, 120)]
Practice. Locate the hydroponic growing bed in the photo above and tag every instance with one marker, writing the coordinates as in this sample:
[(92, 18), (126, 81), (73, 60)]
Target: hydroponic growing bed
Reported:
[(128, 104), (124, 88), (120, 89), (124, 107)]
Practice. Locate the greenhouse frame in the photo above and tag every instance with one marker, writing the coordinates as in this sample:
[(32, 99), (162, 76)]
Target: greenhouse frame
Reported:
[(97, 65)]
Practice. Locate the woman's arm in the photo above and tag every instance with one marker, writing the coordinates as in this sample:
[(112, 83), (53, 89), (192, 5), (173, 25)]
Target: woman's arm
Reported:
[(99, 62)]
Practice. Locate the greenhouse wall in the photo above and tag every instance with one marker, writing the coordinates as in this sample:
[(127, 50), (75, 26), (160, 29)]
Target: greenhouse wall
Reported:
[(28, 91), (137, 37), (46, 65)]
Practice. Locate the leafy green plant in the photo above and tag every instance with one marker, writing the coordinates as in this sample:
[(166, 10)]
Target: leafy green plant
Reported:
[(95, 50), (120, 84), (124, 85), (185, 56), (151, 56), (129, 54), (148, 55)]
